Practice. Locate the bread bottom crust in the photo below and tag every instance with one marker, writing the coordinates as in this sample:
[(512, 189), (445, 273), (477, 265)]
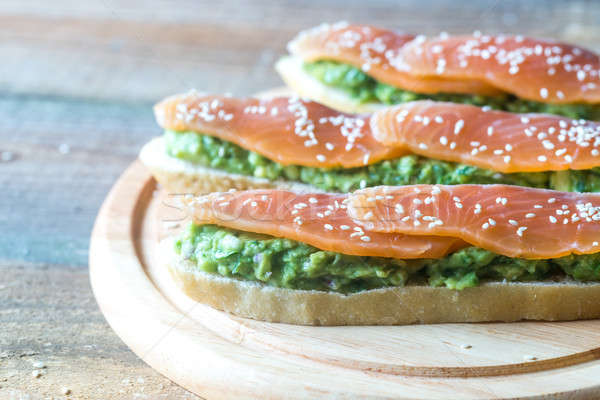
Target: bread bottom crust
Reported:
[(412, 304)]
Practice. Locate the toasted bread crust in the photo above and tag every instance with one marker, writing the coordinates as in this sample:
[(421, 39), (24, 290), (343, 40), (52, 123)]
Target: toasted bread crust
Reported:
[(413, 304)]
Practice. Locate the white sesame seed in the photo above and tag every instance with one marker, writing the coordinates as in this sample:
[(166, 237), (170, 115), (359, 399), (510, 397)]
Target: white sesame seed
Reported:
[(529, 215), (506, 159), (253, 204), (369, 215), (492, 222), (344, 227), (312, 200), (417, 201), (458, 126), (328, 227), (544, 93), (551, 200), (542, 158), (521, 230), (552, 219), (321, 157), (365, 238), (422, 146), (443, 140), (513, 222)]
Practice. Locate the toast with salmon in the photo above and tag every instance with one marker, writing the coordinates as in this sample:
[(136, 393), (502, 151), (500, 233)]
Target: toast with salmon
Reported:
[(358, 68), (213, 143), (392, 255)]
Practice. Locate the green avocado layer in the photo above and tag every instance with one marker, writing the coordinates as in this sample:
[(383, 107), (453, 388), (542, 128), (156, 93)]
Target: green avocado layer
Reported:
[(364, 88), (290, 264), (407, 170)]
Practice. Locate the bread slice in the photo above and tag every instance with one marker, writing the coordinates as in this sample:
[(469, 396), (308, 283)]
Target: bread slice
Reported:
[(179, 176), (291, 71), (415, 303)]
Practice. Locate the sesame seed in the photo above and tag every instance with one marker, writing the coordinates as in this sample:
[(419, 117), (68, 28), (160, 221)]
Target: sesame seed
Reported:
[(544, 93), (443, 140), (552, 219), (551, 200), (542, 158), (458, 205), (321, 157), (417, 201), (529, 215), (492, 222), (490, 130), (344, 227), (312, 200), (254, 204), (369, 215), (595, 244), (365, 238), (422, 146), (328, 227), (521, 230), (458, 126), (513, 222)]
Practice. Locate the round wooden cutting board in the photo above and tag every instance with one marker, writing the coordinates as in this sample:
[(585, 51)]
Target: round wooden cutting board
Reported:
[(219, 356)]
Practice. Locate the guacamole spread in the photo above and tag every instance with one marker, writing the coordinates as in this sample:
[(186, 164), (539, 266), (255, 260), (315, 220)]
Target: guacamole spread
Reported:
[(290, 264), (407, 170), (364, 88)]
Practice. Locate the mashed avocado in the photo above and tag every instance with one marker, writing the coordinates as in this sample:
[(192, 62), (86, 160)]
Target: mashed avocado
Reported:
[(407, 170), (290, 264), (364, 88)]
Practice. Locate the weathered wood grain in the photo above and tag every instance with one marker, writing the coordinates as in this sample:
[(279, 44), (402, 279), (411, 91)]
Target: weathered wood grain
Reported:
[(84, 75)]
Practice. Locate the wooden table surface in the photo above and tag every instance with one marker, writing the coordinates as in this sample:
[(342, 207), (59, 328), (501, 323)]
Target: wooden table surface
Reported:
[(77, 82)]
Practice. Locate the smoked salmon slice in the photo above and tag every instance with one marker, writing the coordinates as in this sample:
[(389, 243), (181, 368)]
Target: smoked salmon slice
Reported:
[(287, 130), (534, 69), (497, 140), (509, 220), (317, 219), (292, 131)]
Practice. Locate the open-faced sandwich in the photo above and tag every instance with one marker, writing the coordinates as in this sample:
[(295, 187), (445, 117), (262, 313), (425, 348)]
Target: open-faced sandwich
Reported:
[(393, 255), (214, 143), (357, 68)]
